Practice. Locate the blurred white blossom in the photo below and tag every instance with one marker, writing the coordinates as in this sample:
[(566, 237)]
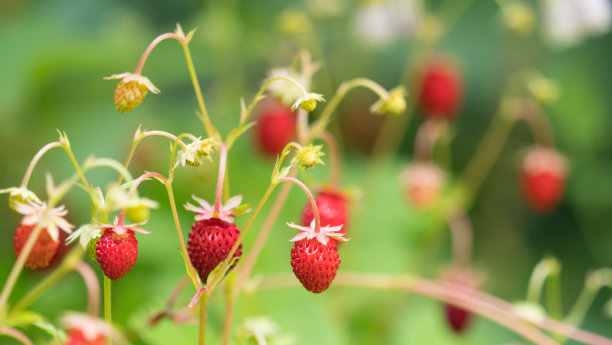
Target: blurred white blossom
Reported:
[(569, 22), (377, 23)]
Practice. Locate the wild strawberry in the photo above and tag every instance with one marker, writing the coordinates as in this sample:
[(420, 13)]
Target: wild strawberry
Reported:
[(543, 177), (441, 89), (275, 127), (459, 318), (86, 330), (314, 256), (422, 182), (117, 249), (213, 235), (131, 90), (333, 210), (48, 240)]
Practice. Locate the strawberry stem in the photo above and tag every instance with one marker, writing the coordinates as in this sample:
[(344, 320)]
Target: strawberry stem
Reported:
[(313, 203), (203, 310), (36, 158), (222, 168), (462, 238), (152, 45), (93, 287), (133, 189), (334, 157), (107, 306)]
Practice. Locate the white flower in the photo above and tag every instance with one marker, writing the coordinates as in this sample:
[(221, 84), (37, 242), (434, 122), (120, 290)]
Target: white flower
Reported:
[(121, 229), (226, 212), (33, 214), (323, 236), (192, 152), (568, 22), (91, 328), (308, 101), (130, 77), (377, 23)]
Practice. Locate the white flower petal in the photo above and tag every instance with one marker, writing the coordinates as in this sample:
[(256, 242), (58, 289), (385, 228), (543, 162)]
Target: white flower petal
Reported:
[(233, 202)]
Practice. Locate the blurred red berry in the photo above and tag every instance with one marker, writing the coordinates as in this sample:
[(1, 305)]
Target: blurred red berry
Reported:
[(77, 337), (44, 248), (275, 127), (210, 241), (441, 89), (333, 210), (543, 178), (457, 318), (423, 183)]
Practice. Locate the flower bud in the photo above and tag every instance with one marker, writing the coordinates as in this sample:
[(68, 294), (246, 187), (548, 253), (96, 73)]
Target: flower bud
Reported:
[(20, 195), (394, 104), (308, 102)]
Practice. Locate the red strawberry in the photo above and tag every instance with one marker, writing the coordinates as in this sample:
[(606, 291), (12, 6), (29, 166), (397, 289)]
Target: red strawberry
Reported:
[(44, 248), (116, 252), (423, 182), (314, 256), (441, 89), (77, 337), (275, 127), (543, 177), (210, 241), (458, 318), (332, 205), (48, 240)]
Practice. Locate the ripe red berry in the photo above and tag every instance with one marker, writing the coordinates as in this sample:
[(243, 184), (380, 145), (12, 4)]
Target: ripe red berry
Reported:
[(314, 263), (458, 318), (44, 248), (333, 210), (210, 241), (275, 127), (77, 337), (441, 89), (116, 253), (543, 177)]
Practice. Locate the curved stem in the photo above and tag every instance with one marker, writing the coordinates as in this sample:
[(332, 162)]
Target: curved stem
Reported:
[(220, 177), (36, 158), (93, 287), (469, 299), (334, 158), (319, 126), (133, 189), (313, 202), (462, 238), (152, 45), (15, 334), (426, 137), (538, 122), (107, 306), (188, 266), (542, 271), (594, 282)]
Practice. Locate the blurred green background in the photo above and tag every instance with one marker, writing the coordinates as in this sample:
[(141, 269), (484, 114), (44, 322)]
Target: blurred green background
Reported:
[(53, 56)]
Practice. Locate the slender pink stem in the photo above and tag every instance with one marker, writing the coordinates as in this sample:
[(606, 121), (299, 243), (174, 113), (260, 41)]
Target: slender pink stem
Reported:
[(462, 238), (160, 133), (313, 203), (133, 189), (11, 332), (538, 122), (36, 158), (426, 138), (93, 287), (334, 157), (152, 45), (222, 168)]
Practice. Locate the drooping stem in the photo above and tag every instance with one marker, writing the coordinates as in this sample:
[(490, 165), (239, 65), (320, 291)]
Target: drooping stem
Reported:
[(319, 126), (107, 306), (334, 158), (462, 238), (541, 272), (203, 310), (222, 169), (135, 185), (93, 287), (68, 264), (313, 202), (594, 282), (152, 45), (469, 299), (538, 122), (15, 334), (36, 158)]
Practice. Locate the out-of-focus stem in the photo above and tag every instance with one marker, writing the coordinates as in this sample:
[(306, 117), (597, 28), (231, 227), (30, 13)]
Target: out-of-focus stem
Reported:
[(462, 238), (334, 158), (93, 287), (107, 306), (203, 310), (15, 334)]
